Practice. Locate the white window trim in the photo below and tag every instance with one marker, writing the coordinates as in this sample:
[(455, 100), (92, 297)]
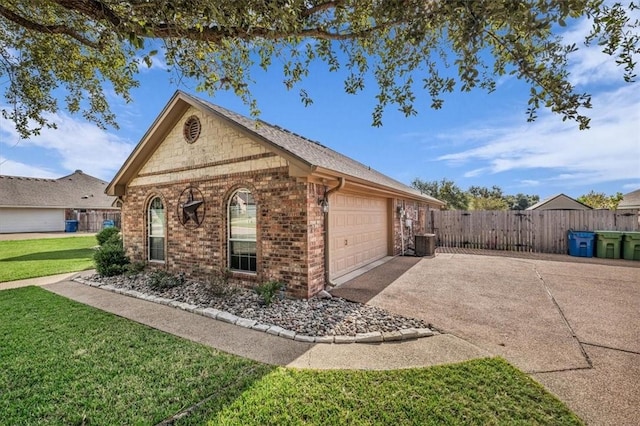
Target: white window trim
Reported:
[(229, 239)]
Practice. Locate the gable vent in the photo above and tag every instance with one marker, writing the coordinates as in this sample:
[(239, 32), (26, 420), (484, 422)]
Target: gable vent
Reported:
[(191, 129)]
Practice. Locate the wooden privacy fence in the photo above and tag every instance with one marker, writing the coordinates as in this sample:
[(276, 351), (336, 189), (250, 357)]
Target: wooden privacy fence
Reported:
[(528, 230), (92, 220)]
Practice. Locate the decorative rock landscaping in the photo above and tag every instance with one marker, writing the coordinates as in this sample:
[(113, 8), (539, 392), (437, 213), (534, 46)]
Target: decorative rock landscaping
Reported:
[(326, 320)]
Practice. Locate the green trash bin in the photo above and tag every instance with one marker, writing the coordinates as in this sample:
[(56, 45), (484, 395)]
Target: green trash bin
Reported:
[(608, 244), (631, 245)]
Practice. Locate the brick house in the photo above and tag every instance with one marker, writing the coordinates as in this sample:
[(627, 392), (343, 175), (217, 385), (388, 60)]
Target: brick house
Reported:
[(207, 189)]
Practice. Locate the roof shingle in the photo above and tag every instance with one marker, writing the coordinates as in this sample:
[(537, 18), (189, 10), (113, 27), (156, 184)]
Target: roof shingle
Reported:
[(310, 152), (77, 190)]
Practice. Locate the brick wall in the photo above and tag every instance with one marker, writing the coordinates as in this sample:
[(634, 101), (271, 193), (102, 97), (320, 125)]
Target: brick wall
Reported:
[(282, 237), (221, 161), (315, 239), (415, 211)]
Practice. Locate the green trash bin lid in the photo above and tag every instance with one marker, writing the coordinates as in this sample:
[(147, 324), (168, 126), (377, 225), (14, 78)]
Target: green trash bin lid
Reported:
[(632, 235), (616, 235)]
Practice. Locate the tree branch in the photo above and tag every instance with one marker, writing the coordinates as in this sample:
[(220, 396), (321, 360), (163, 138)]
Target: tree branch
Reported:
[(95, 9), (215, 34), (46, 29)]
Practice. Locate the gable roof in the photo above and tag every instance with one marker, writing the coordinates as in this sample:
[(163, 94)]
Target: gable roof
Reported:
[(630, 200), (308, 156), (569, 203), (77, 190)]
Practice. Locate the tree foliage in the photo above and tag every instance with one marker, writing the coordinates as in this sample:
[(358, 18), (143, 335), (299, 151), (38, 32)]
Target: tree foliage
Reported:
[(600, 200), (85, 49), (521, 201), (475, 197), (444, 190), (482, 198)]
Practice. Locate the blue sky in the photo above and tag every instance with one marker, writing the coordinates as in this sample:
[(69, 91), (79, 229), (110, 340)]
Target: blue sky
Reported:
[(475, 139)]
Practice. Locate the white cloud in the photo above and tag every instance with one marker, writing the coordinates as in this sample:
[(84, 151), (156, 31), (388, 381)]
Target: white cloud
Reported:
[(631, 186), (609, 151), (74, 145), (15, 168), (589, 64), (158, 61), (529, 182)]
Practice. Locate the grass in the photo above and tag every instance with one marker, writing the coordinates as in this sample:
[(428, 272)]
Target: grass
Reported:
[(21, 259), (477, 392), (65, 363), (62, 362)]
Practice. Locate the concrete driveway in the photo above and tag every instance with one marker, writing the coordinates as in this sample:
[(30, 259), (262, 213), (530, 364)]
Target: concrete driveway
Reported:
[(575, 327)]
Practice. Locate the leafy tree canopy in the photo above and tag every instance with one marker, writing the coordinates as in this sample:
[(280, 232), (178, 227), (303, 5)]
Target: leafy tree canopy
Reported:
[(521, 201), (85, 49), (482, 198), (444, 190), (600, 200), (475, 197)]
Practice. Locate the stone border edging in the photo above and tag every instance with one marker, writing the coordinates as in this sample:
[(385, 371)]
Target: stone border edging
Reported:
[(216, 314)]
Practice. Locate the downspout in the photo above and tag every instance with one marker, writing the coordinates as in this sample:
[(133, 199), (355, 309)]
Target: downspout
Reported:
[(327, 281), (402, 226)]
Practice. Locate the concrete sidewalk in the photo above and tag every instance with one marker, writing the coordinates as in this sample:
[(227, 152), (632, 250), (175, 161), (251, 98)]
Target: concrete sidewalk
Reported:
[(40, 281), (263, 347)]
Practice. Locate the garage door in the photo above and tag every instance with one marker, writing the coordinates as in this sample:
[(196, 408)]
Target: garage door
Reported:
[(358, 233), (31, 220)]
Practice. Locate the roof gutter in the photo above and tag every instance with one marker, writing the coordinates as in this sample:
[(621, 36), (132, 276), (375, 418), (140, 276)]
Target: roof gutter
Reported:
[(340, 186)]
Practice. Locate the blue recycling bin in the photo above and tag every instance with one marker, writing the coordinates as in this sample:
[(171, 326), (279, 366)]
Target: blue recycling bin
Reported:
[(581, 243), (108, 224), (70, 225)]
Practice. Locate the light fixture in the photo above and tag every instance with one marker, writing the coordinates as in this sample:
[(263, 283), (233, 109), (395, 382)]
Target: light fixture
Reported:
[(324, 203)]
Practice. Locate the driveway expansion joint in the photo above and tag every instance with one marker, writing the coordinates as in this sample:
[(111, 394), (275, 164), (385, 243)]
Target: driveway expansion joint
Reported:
[(218, 315), (596, 345), (585, 355)]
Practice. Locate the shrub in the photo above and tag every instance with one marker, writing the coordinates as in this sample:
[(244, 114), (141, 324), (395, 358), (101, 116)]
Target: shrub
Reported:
[(268, 290), (134, 268), (217, 284), (110, 259), (107, 235), (161, 280)]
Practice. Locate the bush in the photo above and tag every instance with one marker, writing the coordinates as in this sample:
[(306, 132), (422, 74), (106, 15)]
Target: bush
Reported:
[(268, 290), (134, 268), (217, 284), (161, 280), (110, 259), (107, 235)]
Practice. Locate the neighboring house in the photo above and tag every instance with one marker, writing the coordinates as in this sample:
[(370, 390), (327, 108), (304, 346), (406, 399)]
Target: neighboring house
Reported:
[(559, 202), (630, 200), (43, 205), (207, 190)]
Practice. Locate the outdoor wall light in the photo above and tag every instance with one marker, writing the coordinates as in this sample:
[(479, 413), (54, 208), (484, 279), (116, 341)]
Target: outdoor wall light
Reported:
[(324, 203)]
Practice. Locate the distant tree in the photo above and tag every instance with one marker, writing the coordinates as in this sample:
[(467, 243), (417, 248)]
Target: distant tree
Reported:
[(600, 200), (83, 51), (483, 198), (444, 190), (521, 201)]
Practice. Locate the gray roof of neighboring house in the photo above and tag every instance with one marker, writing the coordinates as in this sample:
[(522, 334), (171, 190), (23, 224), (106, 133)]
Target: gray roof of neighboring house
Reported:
[(77, 191), (310, 151), (558, 196), (630, 200)]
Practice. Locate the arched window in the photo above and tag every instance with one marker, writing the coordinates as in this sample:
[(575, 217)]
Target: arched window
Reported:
[(156, 229), (242, 231)]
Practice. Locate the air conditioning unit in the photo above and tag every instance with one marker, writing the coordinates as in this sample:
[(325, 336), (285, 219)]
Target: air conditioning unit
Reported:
[(426, 245)]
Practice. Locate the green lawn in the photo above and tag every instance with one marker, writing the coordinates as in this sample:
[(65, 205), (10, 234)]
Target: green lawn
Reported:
[(62, 362), (22, 259)]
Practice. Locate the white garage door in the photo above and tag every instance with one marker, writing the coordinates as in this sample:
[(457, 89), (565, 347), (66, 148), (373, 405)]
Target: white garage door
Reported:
[(31, 220), (358, 233)]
